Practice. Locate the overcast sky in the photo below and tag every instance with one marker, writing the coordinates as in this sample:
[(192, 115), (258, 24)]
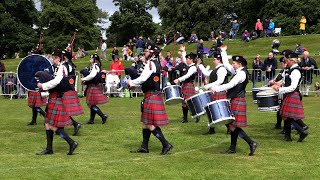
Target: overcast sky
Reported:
[(108, 6)]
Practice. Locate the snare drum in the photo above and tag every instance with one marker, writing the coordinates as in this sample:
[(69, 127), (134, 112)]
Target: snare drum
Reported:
[(256, 90), (172, 94), (219, 112), (268, 100), (197, 103)]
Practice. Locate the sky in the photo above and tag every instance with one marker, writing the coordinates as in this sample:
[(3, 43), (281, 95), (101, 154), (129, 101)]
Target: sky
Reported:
[(108, 6)]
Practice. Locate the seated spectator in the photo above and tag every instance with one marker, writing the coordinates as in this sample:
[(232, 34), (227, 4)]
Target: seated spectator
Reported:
[(223, 35), (246, 36), (299, 50), (113, 83), (254, 35), (9, 84), (193, 38), (212, 36), (180, 38)]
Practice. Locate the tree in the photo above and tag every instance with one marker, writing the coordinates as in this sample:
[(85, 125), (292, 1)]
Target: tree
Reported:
[(131, 20), (62, 18), (16, 21)]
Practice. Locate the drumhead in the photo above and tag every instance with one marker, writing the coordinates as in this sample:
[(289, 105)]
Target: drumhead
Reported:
[(268, 93), (199, 94), (28, 67), (217, 101), (171, 86)]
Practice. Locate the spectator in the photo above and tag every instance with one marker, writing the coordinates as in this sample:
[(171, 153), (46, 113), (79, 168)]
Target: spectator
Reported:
[(172, 75), (163, 63), (2, 70), (234, 29), (212, 36), (165, 40), (140, 45), (265, 25), (271, 28), (254, 35), (10, 84), (270, 65), (307, 64), (150, 43), (246, 36), (299, 50), (222, 35), (193, 38), (258, 27), (180, 38), (130, 45), (125, 52), (303, 22), (117, 65), (257, 67), (200, 49), (168, 57), (104, 49), (112, 82), (159, 41), (114, 53)]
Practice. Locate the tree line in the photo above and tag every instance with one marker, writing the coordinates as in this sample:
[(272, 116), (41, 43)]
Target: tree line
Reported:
[(21, 23)]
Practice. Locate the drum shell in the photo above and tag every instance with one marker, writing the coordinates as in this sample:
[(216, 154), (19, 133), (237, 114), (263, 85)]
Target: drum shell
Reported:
[(197, 103), (219, 112), (172, 95), (268, 102)]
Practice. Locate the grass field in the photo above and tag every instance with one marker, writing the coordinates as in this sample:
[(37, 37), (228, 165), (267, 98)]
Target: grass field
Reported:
[(103, 151)]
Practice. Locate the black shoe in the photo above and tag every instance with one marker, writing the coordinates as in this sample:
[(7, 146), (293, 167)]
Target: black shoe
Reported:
[(45, 152), (32, 123), (229, 151), (277, 127), (165, 150), (140, 150), (305, 127), (253, 147), (90, 122), (72, 148), (302, 137), (76, 129), (210, 131), (184, 120), (283, 132), (197, 119), (305, 95), (287, 139), (104, 119)]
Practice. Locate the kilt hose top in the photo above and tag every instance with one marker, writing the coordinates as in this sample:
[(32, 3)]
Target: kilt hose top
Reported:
[(56, 114), (292, 106), (153, 109), (35, 99), (94, 95)]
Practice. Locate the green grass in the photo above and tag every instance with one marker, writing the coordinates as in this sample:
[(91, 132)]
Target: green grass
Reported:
[(103, 151)]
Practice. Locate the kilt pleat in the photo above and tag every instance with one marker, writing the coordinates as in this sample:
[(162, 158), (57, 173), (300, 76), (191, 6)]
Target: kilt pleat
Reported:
[(154, 112), (71, 102), (56, 114), (187, 91), (94, 95), (292, 106), (239, 108), (35, 99)]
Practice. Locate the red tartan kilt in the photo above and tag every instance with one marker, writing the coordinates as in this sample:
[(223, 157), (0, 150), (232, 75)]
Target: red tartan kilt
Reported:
[(94, 95), (239, 108), (72, 104), (154, 112), (56, 114), (219, 95), (187, 91), (292, 106), (35, 99)]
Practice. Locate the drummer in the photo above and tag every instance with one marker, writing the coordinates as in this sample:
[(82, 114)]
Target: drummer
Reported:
[(292, 108), (217, 76), (236, 92), (188, 72), (57, 116)]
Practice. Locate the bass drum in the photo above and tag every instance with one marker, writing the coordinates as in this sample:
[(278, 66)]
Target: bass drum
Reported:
[(29, 66)]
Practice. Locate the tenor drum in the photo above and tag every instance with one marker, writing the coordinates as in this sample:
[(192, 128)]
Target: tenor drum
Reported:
[(197, 103), (29, 66), (172, 94), (256, 90), (219, 112), (268, 100)]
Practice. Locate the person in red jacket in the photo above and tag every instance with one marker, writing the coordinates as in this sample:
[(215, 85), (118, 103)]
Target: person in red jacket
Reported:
[(117, 65), (258, 27)]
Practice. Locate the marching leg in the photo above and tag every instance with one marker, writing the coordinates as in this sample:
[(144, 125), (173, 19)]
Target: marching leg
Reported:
[(185, 114), (76, 126), (72, 144), (144, 146), (253, 145), (166, 146)]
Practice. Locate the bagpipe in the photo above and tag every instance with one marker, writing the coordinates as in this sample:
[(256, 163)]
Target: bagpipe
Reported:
[(99, 78)]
